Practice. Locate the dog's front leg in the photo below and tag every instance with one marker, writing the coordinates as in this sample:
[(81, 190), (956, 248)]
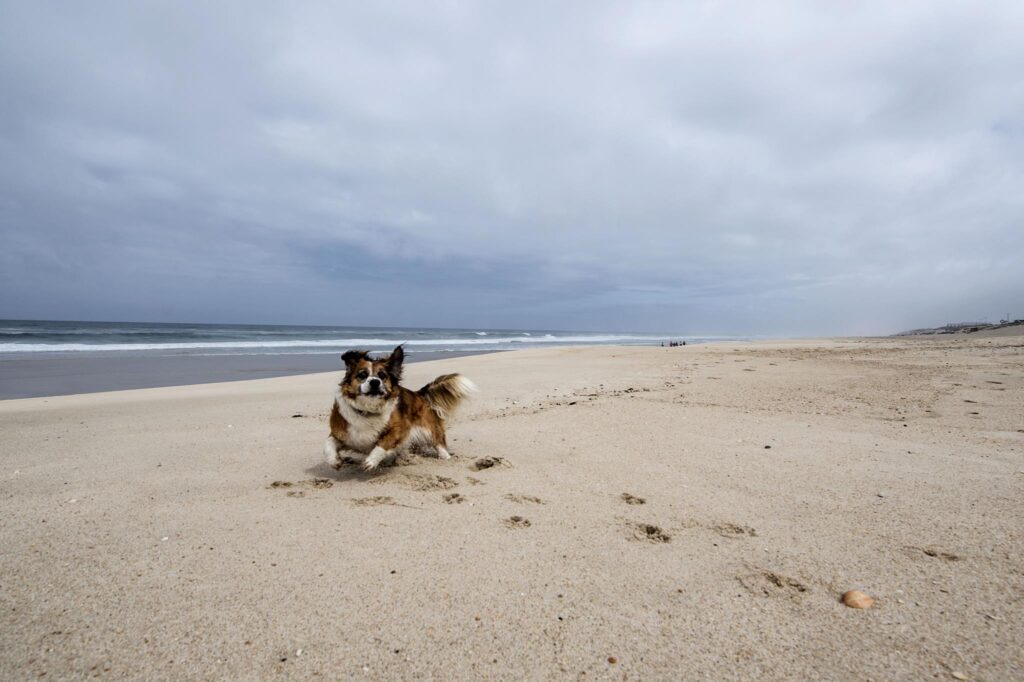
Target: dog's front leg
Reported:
[(332, 452), (337, 455), (386, 449), (374, 459)]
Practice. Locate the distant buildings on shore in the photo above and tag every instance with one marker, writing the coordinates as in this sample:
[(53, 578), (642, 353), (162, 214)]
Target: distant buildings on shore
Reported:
[(962, 328)]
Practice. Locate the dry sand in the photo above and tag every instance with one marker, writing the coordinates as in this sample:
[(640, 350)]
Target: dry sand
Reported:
[(143, 535)]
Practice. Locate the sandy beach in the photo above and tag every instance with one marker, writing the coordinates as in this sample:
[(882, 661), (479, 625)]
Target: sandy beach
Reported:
[(627, 513)]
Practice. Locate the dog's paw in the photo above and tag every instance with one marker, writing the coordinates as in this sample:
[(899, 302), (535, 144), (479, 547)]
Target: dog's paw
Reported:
[(442, 453), (374, 459)]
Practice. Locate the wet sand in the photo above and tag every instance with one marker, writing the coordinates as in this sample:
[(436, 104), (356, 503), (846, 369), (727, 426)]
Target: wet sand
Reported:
[(44, 374)]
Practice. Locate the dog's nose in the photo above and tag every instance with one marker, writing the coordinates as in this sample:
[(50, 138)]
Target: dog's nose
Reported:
[(375, 383)]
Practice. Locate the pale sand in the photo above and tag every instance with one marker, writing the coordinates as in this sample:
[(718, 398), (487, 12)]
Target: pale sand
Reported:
[(142, 538)]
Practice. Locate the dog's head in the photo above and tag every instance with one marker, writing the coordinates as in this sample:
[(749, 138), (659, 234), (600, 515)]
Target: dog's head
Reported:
[(369, 383)]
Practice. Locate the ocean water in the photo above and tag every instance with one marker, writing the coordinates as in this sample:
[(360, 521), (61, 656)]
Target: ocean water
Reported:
[(131, 338)]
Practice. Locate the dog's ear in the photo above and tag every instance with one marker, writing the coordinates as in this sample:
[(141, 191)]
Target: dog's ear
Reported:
[(394, 364), (350, 358)]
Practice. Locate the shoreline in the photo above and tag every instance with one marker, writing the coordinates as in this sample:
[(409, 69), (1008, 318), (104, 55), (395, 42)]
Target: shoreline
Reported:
[(32, 376)]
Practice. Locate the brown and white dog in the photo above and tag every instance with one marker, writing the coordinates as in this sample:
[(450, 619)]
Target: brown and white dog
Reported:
[(374, 419)]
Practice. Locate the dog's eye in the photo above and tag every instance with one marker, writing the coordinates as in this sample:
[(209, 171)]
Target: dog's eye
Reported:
[(363, 374), (381, 375)]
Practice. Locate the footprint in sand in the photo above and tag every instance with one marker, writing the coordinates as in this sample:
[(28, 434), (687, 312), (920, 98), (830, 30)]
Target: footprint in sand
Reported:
[(632, 499), (379, 501), (296, 488), (454, 498), (934, 553), (420, 482), (523, 499), (770, 584), (489, 462), (517, 522), (648, 532), (733, 530)]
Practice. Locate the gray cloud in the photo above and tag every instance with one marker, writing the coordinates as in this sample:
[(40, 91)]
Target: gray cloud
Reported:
[(779, 168)]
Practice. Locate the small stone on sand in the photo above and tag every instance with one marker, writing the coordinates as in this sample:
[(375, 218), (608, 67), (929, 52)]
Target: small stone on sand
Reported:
[(856, 599)]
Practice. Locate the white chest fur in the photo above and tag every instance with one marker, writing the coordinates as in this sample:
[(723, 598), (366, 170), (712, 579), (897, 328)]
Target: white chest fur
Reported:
[(363, 429)]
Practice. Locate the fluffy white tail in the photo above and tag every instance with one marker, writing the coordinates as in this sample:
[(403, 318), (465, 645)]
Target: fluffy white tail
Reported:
[(446, 392)]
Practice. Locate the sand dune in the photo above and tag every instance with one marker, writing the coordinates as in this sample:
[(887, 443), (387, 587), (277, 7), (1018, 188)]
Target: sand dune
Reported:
[(684, 513)]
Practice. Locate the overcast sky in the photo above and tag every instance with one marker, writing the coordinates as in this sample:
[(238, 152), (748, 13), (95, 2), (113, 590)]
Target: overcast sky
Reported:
[(704, 167)]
